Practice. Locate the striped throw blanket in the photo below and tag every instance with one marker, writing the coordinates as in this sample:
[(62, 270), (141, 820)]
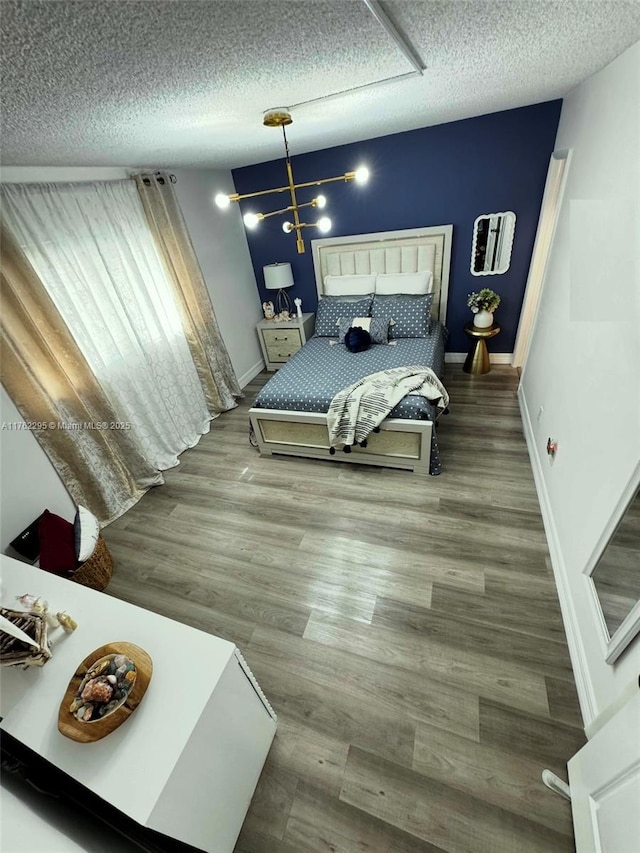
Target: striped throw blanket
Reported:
[(358, 409)]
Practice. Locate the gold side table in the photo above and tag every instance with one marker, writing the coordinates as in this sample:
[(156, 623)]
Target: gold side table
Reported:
[(477, 361)]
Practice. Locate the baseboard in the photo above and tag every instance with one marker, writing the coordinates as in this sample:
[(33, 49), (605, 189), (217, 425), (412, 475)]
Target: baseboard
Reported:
[(496, 357), (584, 686), (246, 378)]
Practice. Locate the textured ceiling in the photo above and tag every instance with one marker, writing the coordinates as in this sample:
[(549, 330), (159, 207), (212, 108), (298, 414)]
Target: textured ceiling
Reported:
[(182, 83)]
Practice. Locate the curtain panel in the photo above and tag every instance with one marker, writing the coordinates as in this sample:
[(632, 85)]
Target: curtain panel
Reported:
[(91, 246), (49, 380), (207, 347), (100, 280)]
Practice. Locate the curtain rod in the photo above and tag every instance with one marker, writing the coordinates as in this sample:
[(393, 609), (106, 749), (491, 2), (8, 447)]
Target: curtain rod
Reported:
[(160, 178), (158, 175)]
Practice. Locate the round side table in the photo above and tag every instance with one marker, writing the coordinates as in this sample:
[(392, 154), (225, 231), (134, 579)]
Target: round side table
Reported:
[(477, 361)]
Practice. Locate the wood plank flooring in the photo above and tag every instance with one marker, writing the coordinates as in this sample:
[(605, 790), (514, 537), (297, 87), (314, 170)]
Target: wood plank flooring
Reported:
[(406, 630)]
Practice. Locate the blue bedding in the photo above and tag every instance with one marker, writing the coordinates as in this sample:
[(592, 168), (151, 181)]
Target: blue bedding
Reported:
[(314, 375)]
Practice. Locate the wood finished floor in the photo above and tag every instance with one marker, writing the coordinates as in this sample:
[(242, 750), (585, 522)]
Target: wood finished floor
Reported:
[(406, 630)]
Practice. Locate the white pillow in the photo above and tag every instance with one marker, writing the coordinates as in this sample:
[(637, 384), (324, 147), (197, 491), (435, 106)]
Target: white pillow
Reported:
[(362, 322), (349, 285), (86, 529), (404, 282)]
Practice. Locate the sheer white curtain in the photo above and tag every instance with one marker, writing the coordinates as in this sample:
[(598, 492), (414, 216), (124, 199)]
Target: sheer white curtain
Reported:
[(91, 246)]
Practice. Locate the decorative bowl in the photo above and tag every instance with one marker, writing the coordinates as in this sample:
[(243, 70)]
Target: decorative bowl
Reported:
[(104, 691)]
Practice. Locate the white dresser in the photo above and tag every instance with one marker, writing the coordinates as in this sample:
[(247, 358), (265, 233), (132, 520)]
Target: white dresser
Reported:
[(187, 761)]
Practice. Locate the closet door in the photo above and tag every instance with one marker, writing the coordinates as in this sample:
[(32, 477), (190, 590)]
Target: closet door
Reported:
[(604, 777)]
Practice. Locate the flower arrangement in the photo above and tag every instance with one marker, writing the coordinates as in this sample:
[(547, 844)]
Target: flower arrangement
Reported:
[(483, 300)]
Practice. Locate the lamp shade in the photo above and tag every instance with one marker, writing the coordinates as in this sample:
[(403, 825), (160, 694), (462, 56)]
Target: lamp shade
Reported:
[(277, 276)]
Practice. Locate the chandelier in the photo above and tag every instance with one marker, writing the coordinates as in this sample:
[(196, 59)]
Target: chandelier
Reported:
[(280, 118)]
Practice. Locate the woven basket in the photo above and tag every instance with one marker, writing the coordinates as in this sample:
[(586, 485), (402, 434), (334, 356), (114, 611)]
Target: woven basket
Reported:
[(97, 570)]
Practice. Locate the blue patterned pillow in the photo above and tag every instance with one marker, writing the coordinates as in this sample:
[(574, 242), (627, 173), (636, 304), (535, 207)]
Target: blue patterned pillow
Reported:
[(411, 314), (378, 328), (331, 308)]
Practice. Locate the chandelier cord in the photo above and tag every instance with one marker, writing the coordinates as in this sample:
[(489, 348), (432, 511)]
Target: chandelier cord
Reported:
[(286, 143), (297, 225)]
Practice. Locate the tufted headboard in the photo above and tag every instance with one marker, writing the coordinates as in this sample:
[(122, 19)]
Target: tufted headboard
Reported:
[(411, 250)]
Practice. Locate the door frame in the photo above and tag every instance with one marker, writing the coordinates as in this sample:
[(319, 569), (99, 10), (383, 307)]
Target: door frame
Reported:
[(549, 211)]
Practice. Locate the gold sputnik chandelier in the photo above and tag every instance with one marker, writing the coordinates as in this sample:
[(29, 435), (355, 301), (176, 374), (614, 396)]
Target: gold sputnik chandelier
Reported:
[(280, 118)]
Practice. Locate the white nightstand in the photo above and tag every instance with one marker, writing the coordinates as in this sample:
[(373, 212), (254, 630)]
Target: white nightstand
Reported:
[(279, 341)]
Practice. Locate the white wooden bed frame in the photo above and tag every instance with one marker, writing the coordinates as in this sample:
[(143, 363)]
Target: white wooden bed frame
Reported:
[(401, 443)]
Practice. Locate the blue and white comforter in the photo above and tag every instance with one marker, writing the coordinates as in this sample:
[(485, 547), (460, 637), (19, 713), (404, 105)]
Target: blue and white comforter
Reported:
[(312, 377)]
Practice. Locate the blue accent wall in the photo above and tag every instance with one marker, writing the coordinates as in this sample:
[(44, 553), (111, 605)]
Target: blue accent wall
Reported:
[(447, 174)]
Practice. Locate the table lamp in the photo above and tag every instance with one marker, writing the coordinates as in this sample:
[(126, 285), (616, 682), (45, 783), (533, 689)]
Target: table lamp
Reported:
[(278, 277)]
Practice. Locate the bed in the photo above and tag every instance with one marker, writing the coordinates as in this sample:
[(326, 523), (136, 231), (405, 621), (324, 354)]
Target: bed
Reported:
[(289, 415)]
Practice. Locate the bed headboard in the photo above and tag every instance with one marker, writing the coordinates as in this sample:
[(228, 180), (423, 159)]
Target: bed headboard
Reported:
[(410, 250)]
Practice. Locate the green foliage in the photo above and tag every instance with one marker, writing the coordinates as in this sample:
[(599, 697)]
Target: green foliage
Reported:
[(483, 300)]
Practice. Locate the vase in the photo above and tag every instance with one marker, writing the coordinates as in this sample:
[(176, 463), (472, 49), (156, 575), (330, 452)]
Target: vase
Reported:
[(483, 319)]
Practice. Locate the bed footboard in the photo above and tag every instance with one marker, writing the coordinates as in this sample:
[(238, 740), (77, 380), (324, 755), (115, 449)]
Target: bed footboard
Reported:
[(399, 444)]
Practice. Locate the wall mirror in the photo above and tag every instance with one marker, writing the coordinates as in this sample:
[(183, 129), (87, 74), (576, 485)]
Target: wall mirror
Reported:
[(615, 577), (492, 242)]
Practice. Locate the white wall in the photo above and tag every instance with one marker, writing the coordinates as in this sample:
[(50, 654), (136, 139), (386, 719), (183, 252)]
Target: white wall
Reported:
[(29, 483), (221, 245), (584, 362)]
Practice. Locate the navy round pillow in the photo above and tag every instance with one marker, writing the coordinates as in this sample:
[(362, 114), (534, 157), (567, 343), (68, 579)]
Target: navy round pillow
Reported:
[(357, 339)]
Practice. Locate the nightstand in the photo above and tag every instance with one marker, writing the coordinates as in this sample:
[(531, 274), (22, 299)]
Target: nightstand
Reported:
[(279, 341), (477, 360)]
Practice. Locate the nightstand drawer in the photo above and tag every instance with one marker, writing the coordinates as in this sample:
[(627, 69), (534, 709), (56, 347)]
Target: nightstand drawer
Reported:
[(279, 338), (284, 350), (279, 341)]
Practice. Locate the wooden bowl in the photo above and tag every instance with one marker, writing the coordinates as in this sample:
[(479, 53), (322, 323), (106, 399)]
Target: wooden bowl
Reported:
[(92, 730)]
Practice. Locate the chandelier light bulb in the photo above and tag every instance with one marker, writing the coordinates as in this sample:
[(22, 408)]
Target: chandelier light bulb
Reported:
[(251, 220), (280, 118)]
